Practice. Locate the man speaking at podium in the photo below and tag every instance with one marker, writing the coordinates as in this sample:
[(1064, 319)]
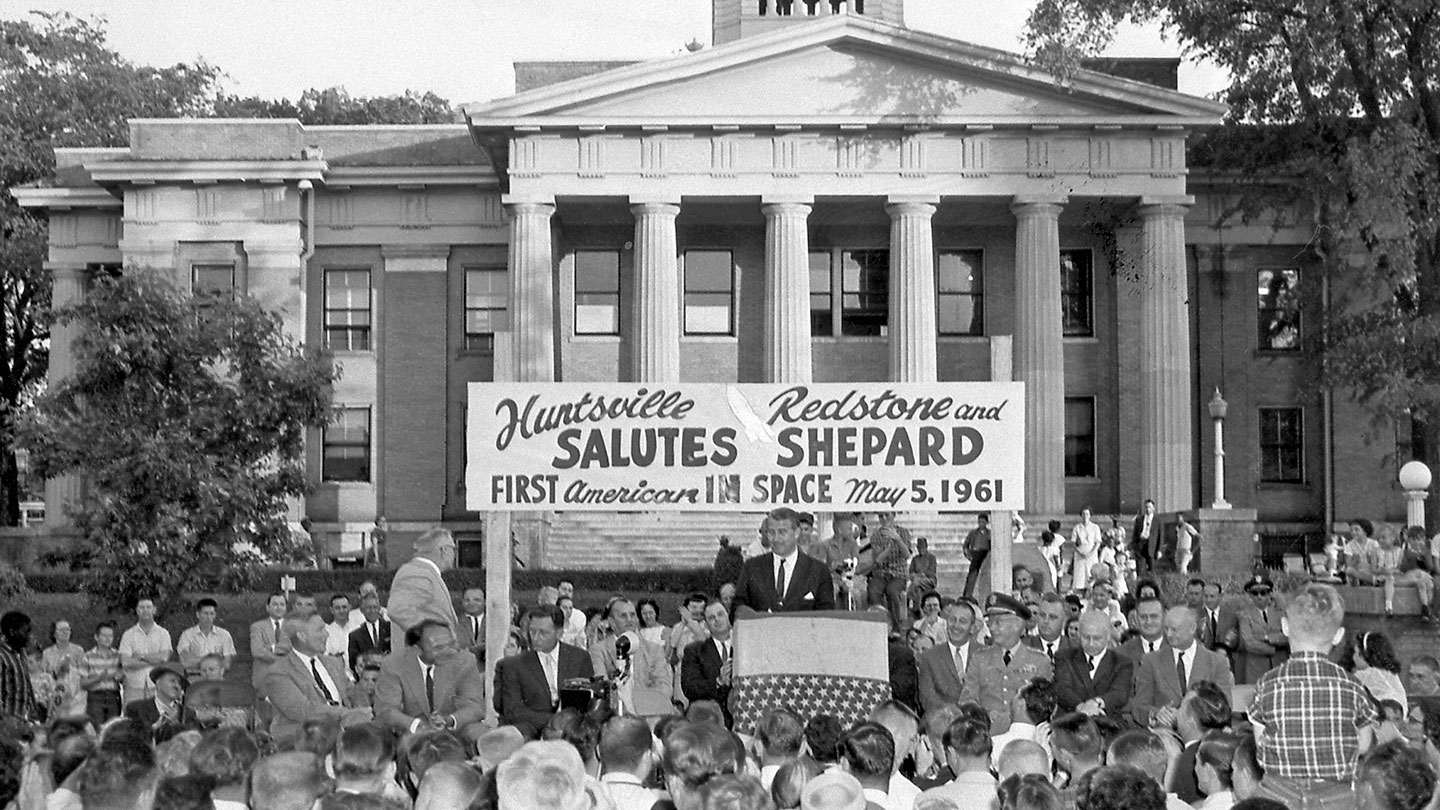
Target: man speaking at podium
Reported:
[(784, 579)]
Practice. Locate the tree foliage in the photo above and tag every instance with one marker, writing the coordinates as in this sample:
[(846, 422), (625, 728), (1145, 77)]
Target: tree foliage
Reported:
[(186, 417), (1334, 110), (335, 105)]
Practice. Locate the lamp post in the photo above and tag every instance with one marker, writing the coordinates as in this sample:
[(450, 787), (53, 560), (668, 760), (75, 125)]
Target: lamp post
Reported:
[(1218, 407), (1415, 480)]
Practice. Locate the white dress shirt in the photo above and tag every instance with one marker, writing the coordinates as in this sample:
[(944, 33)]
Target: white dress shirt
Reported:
[(960, 655), (550, 662), (789, 570), (335, 693), (627, 792)]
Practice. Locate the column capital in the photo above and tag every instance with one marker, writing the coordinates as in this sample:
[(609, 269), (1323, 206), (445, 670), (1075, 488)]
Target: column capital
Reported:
[(1165, 205), (654, 208), (780, 199), (527, 199), (899, 206), (780, 209), (1038, 204), (65, 269)]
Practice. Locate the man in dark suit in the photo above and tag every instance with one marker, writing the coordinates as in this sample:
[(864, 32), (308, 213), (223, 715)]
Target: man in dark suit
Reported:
[(1092, 678), (942, 667), (1145, 537), (1158, 686), (307, 684), (373, 636), (164, 714), (1219, 623), (433, 684), (471, 632), (530, 682), (784, 579), (705, 669), (1150, 620), (1050, 617)]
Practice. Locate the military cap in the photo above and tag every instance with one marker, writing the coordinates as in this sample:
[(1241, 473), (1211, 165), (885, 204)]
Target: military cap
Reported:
[(1003, 603)]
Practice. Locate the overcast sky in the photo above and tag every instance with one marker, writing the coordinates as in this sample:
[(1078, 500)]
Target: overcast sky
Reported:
[(463, 49)]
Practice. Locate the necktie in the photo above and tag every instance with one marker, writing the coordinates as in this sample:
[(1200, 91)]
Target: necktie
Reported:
[(277, 631), (780, 581), (1050, 650), (475, 629), (430, 687), (1089, 665), (1214, 628), (320, 682), (1180, 670), (959, 662), (374, 635), (1265, 617), (1006, 658)]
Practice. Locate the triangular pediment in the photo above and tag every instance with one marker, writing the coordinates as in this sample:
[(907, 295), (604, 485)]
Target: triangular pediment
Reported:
[(846, 69)]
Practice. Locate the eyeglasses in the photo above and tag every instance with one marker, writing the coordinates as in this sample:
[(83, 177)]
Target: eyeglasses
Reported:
[(1261, 592)]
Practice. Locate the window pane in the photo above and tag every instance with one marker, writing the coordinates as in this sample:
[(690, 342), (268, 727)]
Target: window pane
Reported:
[(487, 295), (709, 271), (822, 305), (960, 315), (346, 451), (347, 309), (597, 314), (958, 271), (709, 292), (1282, 445), (213, 279), (1278, 300), (1079, 437), (864, 303), (1076, 279), (958, 286), (597, 292), (597, 271)]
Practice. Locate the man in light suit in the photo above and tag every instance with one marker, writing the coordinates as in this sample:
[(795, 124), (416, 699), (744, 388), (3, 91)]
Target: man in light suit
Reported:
[(942, 667), (306, 684), (1092, 678), (529, 688), (1263, 643), (706, 670), (805, 584), (1158, 688), (267, 642), (651, 681), (432, 685), (418, 592)]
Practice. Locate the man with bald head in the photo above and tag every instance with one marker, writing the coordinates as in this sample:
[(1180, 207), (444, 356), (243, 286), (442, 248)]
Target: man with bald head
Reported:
[(1092, 678), (418, 592), (1159, 685)]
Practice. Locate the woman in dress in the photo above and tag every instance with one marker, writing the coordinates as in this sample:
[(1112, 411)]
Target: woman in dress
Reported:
[(650, 627), (63, 660), (1086, 537), (1373, 662)]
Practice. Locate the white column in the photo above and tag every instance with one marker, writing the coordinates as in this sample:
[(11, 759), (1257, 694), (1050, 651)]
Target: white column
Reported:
[(1039, 349), (912, 289), (657, 295), (68, 289), (1166, 409), (532, 297), (787, 292)]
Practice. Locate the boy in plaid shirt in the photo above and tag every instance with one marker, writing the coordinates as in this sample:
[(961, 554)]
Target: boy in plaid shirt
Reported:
[(1312, 719)]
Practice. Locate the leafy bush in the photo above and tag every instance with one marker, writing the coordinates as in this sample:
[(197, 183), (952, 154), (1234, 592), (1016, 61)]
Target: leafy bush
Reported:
[(12, 583)]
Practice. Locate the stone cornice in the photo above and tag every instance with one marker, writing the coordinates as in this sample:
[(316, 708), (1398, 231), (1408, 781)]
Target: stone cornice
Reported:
[(487, 128), (61, 199), (154, 172), (371, 176)]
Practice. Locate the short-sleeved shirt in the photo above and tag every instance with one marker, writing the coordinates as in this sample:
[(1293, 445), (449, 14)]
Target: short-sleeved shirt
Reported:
[(197, 645), (138, 642), (1312, 711), (101, 662)]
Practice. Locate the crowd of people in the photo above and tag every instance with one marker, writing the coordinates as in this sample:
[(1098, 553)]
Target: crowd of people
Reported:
[(1078, 686)]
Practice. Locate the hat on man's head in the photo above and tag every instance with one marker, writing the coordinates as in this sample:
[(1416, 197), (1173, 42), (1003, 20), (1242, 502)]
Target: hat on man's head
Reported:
[(168, 668), (1258, 582), (1001, 604), (833, 790)]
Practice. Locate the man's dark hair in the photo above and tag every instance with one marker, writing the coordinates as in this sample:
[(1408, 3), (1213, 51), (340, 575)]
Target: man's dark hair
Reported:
[(1398, 775), (1140, 749), (695, 753), (288, 781), (1209, 705), (624, 741), (1032, 791), (781, 731), (1146, 600), (1195, 581), (1040, 701), (117, 774), (13, 621), (822, 735), (190, 792), (429, 748), (968, 737), (551, 612), (1077, 735), (415, 634), (226, 755), (1119, 787), (869, 751), (785, 513), (206, 602), (706, 711), (974, 711), (735, 791)]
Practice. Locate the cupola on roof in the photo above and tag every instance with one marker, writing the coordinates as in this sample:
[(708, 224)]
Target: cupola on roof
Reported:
[(736, 19)]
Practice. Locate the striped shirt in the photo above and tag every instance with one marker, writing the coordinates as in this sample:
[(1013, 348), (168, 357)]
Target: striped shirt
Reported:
[(101, 662), (17, 696), (1312, 711)]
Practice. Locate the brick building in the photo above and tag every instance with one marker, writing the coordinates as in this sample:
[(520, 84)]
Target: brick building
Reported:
[(828, 198)]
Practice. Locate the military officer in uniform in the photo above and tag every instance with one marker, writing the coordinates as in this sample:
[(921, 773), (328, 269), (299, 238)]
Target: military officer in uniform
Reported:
[(996, 673)]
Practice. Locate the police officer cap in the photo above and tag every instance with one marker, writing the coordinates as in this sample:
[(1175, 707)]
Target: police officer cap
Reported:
[(1257, 582), (1003, 603)]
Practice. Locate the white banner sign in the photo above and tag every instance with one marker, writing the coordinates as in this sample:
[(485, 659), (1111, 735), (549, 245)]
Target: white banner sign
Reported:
[(746, 447)]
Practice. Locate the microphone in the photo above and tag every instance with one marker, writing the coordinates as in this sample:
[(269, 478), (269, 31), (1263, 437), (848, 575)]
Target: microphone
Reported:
[(622, 647)]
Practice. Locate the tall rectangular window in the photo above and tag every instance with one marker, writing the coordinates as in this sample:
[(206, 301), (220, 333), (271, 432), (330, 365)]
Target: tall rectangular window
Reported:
[(709, 292), (347, 446), (597, 292), (1279, 309), (1282, 445), (865, 292), (1077, 297), (486, 298), (1079, 437), (212, 280), (959, 293), (822, 288), (347, 309)]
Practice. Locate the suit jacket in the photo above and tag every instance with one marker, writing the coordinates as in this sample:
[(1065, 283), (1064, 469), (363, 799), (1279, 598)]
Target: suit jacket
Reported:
[(1226, 635), (1038, 644), (940, 683), (146, 713), (1156, 684), (1257, 655), (810, 587), (1134, 649), (400, 694), (362, 644), (700, 675), (291, 689), (525, 694), (1148, 548), (465, 635), (904, 675), (262, 642), (1112, 681), (993, 684), (417, 593), (653, 679)]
